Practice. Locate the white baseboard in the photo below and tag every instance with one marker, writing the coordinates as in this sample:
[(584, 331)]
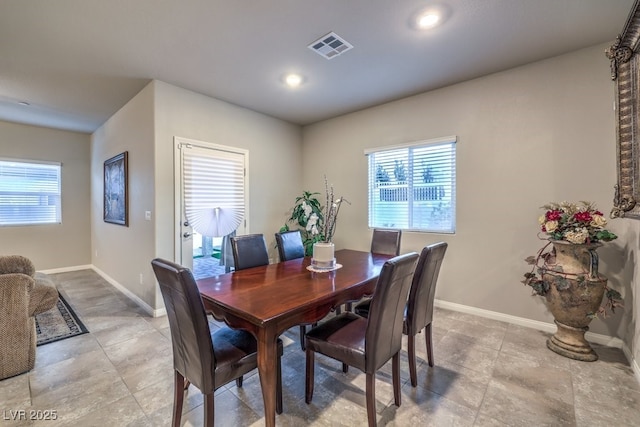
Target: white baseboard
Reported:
[(528, 323), (543, 326), (146, 307), (66, 269), (494, 315), (632, 361)]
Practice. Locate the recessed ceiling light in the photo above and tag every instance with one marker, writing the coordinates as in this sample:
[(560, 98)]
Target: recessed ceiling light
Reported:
[(293, 80), (428, 20), (430, 17)]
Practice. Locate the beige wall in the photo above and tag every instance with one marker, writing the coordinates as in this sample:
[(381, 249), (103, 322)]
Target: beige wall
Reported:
[(124, 253), (146, 127), (275, 152), (526, 136), (539, 133), (52, 246), (628, 253)]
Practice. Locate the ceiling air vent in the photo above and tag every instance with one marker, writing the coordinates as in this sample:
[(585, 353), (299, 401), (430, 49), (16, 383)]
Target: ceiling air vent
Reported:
[(330, 45)]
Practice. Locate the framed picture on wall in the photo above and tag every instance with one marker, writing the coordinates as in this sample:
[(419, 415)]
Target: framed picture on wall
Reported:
[(625, 60), (116, 202)]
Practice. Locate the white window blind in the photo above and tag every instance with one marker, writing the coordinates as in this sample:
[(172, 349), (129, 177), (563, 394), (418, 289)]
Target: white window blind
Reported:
[(29, 193), (413, 186), (214, 185)]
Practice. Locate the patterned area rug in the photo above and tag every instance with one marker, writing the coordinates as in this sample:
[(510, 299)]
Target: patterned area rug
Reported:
[(58, 323)]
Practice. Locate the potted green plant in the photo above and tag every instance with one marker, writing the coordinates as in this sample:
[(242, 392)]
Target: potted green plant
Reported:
[(324, 250), (307, 216), (316, 223)]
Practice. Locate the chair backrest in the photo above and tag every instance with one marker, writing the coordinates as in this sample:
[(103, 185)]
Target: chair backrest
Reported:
[(383, 338), (290, 245), (423, 288), (226, 254), (193, 353), (386, 242), (249, 251)]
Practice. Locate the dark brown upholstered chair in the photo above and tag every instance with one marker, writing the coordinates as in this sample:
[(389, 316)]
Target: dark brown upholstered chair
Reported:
[(386, 242), (226, 254), (290, 246), (249, 251), (419, 314), (206, 360), (368, 344)]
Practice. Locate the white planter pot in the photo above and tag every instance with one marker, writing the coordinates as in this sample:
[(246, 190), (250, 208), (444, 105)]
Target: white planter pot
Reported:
[(323, 256)]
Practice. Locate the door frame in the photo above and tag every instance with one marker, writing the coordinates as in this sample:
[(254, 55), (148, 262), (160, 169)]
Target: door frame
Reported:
[(178, 185)]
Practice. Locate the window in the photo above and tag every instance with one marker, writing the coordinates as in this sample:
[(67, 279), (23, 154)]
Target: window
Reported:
[(29, 193), (413, 186)]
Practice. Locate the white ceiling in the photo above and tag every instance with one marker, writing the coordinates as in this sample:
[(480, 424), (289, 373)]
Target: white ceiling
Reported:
[(76, 62)]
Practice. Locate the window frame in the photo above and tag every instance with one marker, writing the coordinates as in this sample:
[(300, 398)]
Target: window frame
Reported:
[(56, 194), (408, 192)]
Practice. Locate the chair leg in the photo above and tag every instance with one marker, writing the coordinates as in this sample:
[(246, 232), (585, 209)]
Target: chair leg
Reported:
[(209, 411), (395, 366), (345, 368), (279, 386), (411, 350), (239, 382), (370, 391), (308, 381), (303, 331), (429, 339), (178, 398)]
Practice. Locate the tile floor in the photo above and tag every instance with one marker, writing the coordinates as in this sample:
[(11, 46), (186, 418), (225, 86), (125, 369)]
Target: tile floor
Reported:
[(206, 267), (487, 373)]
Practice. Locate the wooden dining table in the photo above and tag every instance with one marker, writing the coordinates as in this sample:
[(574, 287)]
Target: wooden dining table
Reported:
[(268, 300)]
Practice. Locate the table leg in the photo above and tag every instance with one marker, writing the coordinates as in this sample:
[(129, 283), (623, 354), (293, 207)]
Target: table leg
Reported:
[(267, 357)]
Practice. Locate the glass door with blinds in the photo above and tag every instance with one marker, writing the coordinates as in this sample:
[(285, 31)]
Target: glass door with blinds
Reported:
[(211, 188)]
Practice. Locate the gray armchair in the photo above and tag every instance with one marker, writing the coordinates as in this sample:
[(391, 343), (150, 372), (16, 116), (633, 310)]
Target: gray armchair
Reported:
[(23, 294)]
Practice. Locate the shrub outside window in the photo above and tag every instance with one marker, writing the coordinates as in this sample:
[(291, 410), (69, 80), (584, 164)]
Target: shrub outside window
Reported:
[(413, 186), (30, 192)]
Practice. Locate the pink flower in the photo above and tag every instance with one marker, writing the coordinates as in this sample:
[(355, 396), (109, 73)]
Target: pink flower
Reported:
[(554, 215), (582, 216)]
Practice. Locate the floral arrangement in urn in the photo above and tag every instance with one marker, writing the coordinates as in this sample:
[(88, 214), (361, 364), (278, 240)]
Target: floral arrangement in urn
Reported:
[(575, 223), (572, 224)]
